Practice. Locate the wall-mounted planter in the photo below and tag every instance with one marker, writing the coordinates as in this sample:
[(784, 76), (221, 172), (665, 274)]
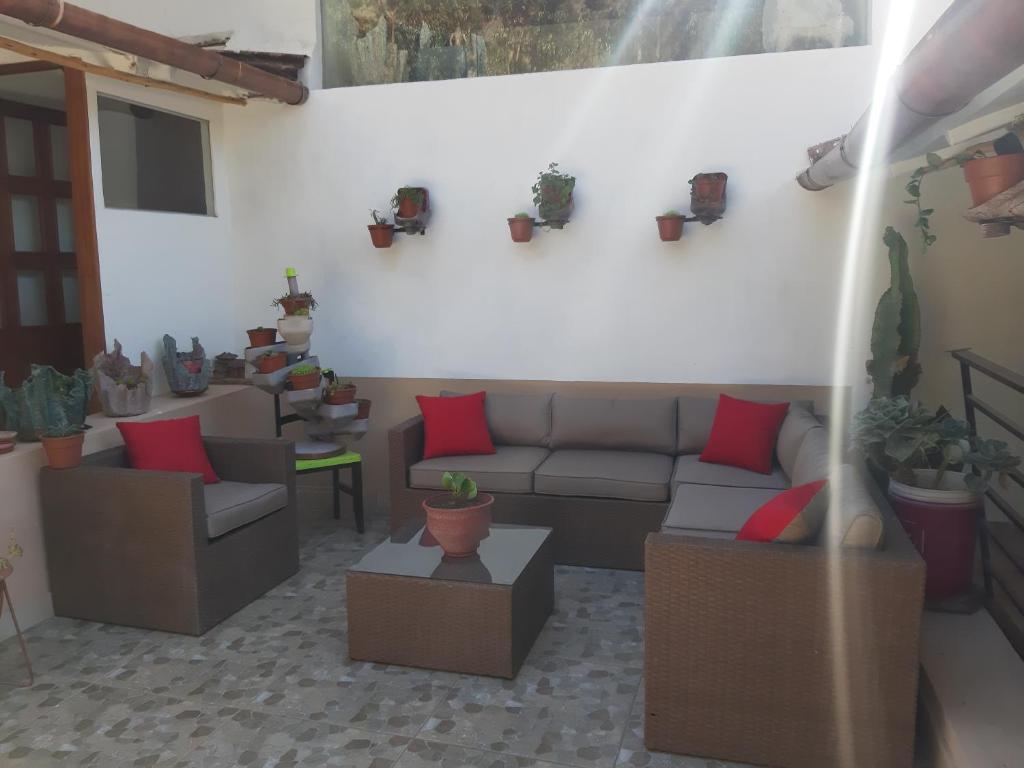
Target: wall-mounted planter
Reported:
[(382, 235), (707, 196), (670, 227), (521, 228), (552, 194), (412, 209), (990, 176)]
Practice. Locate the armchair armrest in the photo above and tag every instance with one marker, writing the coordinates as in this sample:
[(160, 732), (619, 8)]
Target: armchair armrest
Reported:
[(252, 460), (405, 448)]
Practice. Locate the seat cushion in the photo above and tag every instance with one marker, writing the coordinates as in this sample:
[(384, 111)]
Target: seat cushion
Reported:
[(798, 422), (517, 419), (690, 469), (231, 505), (605, 474), (508, 470), (715, 507), (613, 424)]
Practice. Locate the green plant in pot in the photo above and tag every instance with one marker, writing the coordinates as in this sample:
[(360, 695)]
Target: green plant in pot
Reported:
[(670, 225), (339, 393), (29, 409), (304, 376), (382, 234), (938, 473), (552, 194), (521, 226), (408, 202), (295, 304), (460, 518)]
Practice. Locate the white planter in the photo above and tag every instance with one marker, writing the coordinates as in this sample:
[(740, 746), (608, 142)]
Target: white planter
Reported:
[(295, 330)]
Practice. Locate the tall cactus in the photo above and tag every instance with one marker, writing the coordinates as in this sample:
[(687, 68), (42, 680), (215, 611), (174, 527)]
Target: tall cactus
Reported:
[(896, 333)]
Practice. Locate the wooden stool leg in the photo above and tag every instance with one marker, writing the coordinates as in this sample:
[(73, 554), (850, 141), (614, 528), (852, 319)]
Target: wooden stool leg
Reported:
[(335, 480), (357, 495), (21, 639)]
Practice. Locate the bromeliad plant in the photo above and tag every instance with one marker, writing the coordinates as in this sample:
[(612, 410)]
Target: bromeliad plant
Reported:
[(902, 437)]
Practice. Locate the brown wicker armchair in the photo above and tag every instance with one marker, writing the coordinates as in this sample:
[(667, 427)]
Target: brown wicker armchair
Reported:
[(148, 549)]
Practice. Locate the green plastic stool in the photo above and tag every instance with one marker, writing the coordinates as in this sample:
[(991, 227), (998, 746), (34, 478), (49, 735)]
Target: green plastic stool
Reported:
[(333, 464)]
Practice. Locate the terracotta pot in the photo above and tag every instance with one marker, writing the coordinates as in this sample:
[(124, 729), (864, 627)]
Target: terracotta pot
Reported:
[(521, 229), (364, 408), (988, 176), (64, 452), (291, 305), (459, 531), (304, 380), (272, 362), (262, 337), (942, 524), (342, 396), (670, 227), (382, 235), (707, 195)]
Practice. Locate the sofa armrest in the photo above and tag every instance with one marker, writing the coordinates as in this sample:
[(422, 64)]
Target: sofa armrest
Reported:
[(768, 638), (252, 460), (405, 448)]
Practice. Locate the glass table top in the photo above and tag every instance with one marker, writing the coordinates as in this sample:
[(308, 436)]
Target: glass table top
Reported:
[(413, 552)]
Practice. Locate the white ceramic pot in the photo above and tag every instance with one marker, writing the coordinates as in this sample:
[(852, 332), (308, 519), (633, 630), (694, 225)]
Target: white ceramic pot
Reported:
[(295, 330)]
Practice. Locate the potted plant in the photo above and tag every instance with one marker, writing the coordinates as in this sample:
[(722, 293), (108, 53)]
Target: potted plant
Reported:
[(409, 202), (382, 234), (124, 389), (299, 304), (707, 196), (364, 408), (552, 194), (188, 373), (461, 518), (336, 393), (63, 445), (521, 226), (262, 337), (269, 362), (304, 376), (925, 455), (989, 176), (43, 392), (670, 225)]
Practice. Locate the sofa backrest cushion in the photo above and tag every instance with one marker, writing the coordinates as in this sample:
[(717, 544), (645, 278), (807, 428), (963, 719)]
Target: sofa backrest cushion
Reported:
[(798, 422), (696, 415), (613, 423), (812, 461), (517, 419), (854, 520)]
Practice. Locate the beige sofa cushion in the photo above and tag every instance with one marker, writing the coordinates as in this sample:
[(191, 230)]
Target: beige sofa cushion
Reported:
[(812, 462), (605, 474), (613, 423), (715, 507), (516, 419), (508, 470), (690, 469), (854, 520), (697, 414), (798, 422), (231, 505)]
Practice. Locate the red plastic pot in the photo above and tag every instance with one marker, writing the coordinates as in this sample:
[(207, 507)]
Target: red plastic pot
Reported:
[(262, 337), (382, 235), (459, 531), (942, 524), (670, 228), (521, 229), (988, 176)]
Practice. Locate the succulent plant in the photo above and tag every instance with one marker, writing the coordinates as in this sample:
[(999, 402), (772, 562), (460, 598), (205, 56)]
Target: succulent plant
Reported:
[(461, 487), (302, 370), (896, 332)]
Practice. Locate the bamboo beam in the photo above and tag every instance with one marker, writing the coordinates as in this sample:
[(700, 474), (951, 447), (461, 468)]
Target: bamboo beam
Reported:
[(70, 62)]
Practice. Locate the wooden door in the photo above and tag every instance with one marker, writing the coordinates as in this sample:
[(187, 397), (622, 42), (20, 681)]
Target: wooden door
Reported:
[(39, 306)]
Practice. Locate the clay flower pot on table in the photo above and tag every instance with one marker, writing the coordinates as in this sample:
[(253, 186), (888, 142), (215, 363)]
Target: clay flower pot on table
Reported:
[(459, 529), (262, 337), (670, 227), (989, 176), (63, 452)]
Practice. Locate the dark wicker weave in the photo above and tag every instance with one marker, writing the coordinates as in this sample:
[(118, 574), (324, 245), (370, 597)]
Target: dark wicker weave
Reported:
[(601, 533), (455, 626), (130, 547), (789, 656)]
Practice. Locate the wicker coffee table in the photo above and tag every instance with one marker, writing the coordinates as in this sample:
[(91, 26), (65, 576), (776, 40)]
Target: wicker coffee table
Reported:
[(410, 605)]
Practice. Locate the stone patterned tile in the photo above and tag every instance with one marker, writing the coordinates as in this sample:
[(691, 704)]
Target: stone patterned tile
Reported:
[(433, 754), (633, 754), (590, 642)]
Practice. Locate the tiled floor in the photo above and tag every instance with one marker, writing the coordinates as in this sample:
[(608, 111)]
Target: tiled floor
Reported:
[(272, 686)]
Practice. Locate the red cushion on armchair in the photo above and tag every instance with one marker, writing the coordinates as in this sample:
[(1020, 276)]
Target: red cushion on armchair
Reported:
[(454, 426), (169, 445)]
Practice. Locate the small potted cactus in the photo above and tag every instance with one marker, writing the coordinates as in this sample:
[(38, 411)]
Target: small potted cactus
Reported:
[(262, 337), (670, 225), (337, 393), (382, 234), (521, 226), (269, 362), (461, 518), (304, 376)]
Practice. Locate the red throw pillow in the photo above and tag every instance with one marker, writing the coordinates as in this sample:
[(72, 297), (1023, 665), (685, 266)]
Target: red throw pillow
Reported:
[(744, 433), (793, 517), (170, 445), (454, 426)]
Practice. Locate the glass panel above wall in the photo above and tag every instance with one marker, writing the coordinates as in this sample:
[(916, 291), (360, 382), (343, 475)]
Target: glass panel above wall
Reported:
[(65, 226), (154, 160), (69, 285), (59, 148), (369, 42), (32, 297), (25, 218), (21, 147)]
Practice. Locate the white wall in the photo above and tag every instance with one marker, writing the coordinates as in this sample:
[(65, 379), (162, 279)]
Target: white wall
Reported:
[(279, 26), (166, 272)]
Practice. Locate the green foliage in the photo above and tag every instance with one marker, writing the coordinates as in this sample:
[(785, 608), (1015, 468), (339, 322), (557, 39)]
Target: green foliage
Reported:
[(302, 369), (896, 332), (47, 403), (913, 188), (552, 191), (304, 295), (459, 485), (672, 214), (379, 218), (901, 437), (408, 193), (522, 215)]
